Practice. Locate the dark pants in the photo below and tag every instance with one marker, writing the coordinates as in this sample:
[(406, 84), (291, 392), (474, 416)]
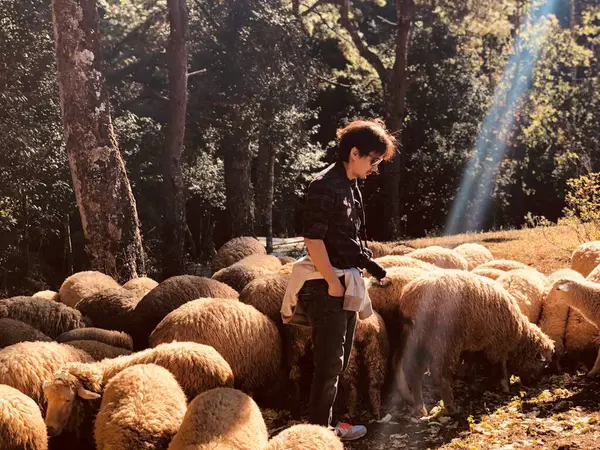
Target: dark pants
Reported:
[(332, 335)]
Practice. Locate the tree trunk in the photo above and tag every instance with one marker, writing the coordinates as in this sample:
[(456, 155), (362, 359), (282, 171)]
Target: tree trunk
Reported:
[(106, 204), (175, 221), (395, 88), (238, 186), (265, 181)]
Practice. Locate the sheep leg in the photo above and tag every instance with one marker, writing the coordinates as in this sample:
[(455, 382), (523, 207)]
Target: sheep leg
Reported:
[(596, 368), (442, 370), (413, 371), (504, 381)]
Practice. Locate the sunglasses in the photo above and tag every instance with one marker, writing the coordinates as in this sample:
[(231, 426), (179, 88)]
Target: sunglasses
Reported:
[(375, 160)]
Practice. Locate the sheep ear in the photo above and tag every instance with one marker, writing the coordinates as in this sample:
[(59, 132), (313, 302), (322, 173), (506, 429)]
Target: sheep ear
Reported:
[(563, 287), (87, 395)]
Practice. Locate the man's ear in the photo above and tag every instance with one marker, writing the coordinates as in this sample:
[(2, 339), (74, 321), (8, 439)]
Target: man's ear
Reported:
[(354, 152)]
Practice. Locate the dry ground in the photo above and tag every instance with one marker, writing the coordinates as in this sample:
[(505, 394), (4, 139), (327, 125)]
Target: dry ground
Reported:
[(561, 412)]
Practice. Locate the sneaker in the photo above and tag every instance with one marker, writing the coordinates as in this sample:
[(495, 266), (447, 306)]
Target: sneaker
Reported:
[(347, 432)]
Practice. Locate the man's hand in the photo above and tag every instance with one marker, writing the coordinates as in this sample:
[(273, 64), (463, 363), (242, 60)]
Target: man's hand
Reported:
[(336, 289)]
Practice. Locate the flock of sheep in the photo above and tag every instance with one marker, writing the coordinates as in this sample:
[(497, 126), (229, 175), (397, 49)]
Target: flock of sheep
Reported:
[(185, 364)]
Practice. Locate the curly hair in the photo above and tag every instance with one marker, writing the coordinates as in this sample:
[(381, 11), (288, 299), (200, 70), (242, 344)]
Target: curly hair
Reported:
[(368, 136)]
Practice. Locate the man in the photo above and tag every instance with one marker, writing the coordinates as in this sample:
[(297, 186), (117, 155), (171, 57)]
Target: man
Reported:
[(332, 222)]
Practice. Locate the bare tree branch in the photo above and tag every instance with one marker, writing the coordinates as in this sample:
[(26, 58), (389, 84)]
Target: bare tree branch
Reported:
[(314, 6), (197, 72)]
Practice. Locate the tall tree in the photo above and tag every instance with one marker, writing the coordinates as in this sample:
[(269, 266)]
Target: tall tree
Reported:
[(175, 222), (104, 197)]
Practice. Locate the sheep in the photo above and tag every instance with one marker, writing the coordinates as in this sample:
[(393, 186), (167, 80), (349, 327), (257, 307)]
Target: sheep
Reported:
[(196, 368), (586, 257), (26, 365), (14, 331), (379, 249), (584, 297), (224, 419), (284, 259), (143, 285), (21, 422), (403, 261), (82, 284), (51, 318), (454, 312), (594, 275), (111, 309), (47, 295), (503, 264), (142, 407), (286, 269), (248, 340), (581, 341), (490, 272), (475, 254), (109, 337), (441, 257), (98, 350), (400, 249), (238, 276), (305, 437), (371, 351), (266, 294), (269, 262), (170, 295), (528, 288), (235, 250)]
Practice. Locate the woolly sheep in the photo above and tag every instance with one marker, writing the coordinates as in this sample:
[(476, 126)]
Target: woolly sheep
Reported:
[(490, 272), (238, 276), (584, 297), (98, 350), (14, 331), (111, 309), (26, 365), (266, 295), (286, 269), (283, 259), (196, 368), (400, 250), (21, 422), (581, 341), (594, 275), (143, 285), (224, 419), (110, 337), (369, 358), (475, 254), (454, 312), (247, 339), (47, 295), (528, 288), (379, 249), (305, 437), (440, 257), (503, 264), (268, 262), (142, 408), (586, 257), (82, 284), (403, 261), (235, 250), (168, 296), (51, 318)]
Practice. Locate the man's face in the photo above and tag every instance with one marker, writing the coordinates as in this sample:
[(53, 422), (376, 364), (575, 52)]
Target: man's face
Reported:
[(366, 165)]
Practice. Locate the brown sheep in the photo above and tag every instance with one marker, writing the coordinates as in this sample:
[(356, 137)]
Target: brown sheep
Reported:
[(403, 261), (98, 350), (283, 259), (440, 257), (238, 276), (168, 296), (370, 353), (224, 419), (109, 337), (111, 309), (401, 250), (196, 368), (142, 408), (491, 273), (14, 331), (528, 288), (306, 437), (47, 295), (266, 294), (82, 284), (454, 312), (143, 285), (379, 249), (503, 264), (51, 318), (586, 257), (248, 340), (235, 250), (594, 275), (26, 365), (475, 254), (21, 422)]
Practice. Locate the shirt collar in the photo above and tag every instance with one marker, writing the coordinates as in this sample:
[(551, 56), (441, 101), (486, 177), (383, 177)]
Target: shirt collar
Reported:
[(340, 171)]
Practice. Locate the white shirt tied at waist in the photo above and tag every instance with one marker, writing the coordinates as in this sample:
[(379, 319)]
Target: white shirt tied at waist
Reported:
[(356, 296)]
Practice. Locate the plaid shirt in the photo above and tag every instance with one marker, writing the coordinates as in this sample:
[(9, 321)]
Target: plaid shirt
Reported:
[(331, 214)]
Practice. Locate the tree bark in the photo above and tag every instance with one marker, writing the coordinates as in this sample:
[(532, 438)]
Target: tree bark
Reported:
[(175, 221), (265, 181), (238, 185), (104, 197)]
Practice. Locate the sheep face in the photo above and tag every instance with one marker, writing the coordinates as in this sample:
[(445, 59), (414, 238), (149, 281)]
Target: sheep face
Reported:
[(63, 395), (530, 369)]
